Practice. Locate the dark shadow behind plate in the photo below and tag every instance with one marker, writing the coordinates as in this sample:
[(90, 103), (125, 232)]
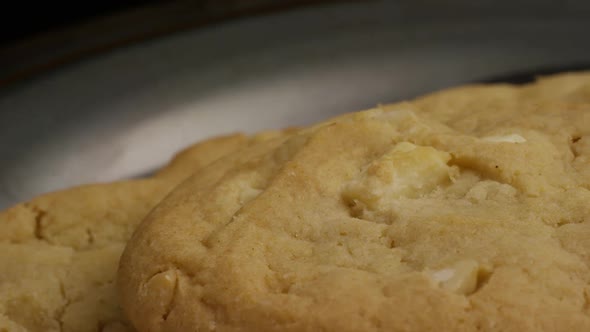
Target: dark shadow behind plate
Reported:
[(530, 75), (75, 40), (102, 116)]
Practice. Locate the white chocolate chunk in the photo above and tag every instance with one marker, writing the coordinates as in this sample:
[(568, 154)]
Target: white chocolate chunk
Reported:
[(248, 193), (443, 275), (489, 189), (461, 278), (512, 138), (407, 170)]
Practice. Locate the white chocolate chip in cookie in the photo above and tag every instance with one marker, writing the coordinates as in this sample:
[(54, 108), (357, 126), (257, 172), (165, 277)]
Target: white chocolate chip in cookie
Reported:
[(461, 278), (488, 189), (248, 194), (443, 275), (406, 171), (512, 138), (404, 121), (162, 288)]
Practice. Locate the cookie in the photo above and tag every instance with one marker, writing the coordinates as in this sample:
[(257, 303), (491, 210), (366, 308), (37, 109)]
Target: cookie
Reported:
[(59, 252), (465, 210)]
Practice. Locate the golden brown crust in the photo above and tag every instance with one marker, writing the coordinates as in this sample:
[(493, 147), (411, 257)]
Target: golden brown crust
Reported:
[(59, 252), (461, 211), (184, 162)]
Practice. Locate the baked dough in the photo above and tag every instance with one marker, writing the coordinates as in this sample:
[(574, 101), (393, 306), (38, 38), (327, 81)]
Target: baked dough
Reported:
[(465, 210), (59, 252)]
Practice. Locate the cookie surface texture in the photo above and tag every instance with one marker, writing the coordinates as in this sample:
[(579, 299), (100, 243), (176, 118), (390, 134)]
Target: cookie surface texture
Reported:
[(465, 210), (59, 252)]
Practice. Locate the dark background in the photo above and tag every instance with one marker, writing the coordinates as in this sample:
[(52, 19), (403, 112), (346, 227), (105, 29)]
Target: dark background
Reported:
[(39, 36), (28, 19), (36, 37)]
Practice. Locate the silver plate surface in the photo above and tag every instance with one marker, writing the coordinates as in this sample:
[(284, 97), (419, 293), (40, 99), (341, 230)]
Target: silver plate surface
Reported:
[(124, 113)]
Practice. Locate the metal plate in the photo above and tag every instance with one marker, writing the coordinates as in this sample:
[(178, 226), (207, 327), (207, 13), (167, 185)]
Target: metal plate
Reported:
[(126, 112)]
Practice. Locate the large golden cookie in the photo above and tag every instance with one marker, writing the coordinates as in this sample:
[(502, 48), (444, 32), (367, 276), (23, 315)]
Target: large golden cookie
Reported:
[(59, 252), (466, 210)]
